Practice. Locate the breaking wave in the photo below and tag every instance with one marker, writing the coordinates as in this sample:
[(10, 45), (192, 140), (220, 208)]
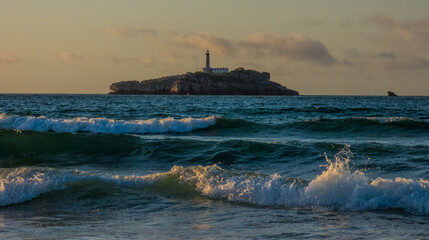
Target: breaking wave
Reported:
[(337, 188), (355, 125), (104, 125)]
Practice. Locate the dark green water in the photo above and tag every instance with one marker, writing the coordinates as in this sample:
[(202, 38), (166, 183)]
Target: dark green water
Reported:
[(210, 167)]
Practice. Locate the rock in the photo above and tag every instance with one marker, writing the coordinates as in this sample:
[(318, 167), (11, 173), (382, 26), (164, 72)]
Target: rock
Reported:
[(391, 94), (236, 82)]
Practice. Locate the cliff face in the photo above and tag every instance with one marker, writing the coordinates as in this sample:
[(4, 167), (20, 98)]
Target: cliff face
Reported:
[(237, 82)]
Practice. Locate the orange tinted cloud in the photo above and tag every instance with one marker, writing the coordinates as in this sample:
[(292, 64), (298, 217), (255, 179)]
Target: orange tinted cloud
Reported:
[(205, 40), (69, 56), (9, 58), (293, 47)]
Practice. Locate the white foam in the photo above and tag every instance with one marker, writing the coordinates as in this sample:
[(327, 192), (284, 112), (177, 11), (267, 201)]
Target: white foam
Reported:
[(21, 184), (336, 188), (104, 125)]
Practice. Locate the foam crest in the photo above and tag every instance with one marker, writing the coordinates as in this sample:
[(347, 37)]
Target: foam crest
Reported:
[(336, 188), (104, 125), (22, 184), (18, 185)]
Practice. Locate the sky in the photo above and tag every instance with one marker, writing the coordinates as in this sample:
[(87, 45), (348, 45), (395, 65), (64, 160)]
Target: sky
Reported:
[(328, 47)]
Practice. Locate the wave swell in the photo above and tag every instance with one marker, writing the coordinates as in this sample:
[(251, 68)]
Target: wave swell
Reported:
[(335, 125), (357, 124), (336, 188), (104, 125), (364, 125)]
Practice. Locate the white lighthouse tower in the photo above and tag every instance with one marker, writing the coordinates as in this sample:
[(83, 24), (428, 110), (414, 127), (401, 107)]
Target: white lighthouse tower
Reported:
[(207, 59), (208, 69)]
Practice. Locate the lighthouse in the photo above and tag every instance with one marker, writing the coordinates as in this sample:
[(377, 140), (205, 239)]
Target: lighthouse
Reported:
[(209, 69), (207, 59)]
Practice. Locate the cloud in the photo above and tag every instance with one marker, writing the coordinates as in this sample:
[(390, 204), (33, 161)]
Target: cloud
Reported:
[(392, 62), (130, 32), (294, 47), (413, 33), (70, 57), (121, 59), (8, 58), (205, 40)]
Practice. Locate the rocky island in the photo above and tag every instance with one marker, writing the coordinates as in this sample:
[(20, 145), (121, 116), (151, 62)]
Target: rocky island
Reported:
[(210, 81), (236, 82), (391, 94)]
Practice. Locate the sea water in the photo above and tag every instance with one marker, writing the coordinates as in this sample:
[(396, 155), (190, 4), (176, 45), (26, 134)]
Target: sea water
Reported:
[(213, 167)]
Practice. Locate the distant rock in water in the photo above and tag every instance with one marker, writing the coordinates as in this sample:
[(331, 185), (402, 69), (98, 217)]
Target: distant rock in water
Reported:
[(236, 82), (391, 94)]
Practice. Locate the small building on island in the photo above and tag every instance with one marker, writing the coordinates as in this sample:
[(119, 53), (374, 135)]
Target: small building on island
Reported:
[(209, 69)]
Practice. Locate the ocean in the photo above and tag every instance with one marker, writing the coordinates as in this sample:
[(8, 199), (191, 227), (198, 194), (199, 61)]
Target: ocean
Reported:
[(213, 167)]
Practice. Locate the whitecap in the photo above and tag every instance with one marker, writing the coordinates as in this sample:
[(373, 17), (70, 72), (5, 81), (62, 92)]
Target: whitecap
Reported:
[(104, 125), (337, 188)]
